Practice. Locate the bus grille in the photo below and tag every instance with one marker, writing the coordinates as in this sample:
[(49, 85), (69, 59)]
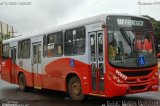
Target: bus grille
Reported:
[(138, 87), (137, 73)]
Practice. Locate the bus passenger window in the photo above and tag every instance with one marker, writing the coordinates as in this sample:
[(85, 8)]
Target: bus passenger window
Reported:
[(74, 43), (44, 46), (55, 44), (68, 43), (39, 53), (50, 50), (34, 54), (19, 49), (80, 41), (25, 49)]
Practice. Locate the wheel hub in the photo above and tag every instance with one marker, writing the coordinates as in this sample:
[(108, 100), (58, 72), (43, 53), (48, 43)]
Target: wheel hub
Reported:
[(76, 88)]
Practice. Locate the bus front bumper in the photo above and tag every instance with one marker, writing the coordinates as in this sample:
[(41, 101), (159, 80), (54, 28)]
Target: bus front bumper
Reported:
[(115, 89)]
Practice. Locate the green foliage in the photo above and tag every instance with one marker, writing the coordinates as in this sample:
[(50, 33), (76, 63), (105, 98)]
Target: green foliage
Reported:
[(3, 37)]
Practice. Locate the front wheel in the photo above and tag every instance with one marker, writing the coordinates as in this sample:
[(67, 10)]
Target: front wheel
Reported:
[(75, 89)]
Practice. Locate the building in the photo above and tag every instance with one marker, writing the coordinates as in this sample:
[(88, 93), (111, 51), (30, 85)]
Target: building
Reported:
[(6, 31)]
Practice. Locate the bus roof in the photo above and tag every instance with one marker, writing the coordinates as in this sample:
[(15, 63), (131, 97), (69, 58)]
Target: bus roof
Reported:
[(78, 23)]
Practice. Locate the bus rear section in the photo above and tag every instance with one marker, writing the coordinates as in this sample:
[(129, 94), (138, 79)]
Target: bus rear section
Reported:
[(8, 63)]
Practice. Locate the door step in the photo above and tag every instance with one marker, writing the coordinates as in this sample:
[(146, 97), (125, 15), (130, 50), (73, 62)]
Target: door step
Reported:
[(93, 94), (36, 87)]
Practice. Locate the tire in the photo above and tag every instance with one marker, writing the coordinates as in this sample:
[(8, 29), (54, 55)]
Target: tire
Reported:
[(75, 89), (22, 82)]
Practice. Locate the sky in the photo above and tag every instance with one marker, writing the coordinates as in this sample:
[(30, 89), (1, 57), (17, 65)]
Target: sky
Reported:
[(42, 14)]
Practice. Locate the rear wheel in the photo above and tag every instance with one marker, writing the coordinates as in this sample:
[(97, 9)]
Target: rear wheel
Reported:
[(22, 82), (75, 89)]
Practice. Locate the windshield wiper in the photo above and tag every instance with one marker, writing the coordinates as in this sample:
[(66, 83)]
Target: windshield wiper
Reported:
[(125, 36)]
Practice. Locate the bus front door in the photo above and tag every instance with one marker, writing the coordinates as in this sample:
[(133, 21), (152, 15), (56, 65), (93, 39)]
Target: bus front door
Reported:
[(13, 64), (36, 65), (97, 61)]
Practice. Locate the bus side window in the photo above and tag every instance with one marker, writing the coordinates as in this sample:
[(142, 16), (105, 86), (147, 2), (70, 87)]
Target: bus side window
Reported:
[(44, 46), (68, 43), (19, 49), (80, 41), (58, 44), (35, 55), (55, 44), (74, 43), (25, 49)]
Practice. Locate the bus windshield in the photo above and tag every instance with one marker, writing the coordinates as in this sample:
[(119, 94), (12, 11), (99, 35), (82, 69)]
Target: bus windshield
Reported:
[(131, 48), (130, 41)]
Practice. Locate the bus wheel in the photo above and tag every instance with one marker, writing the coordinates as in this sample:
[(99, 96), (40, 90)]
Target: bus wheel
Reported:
[(75, 89), (22, 82)]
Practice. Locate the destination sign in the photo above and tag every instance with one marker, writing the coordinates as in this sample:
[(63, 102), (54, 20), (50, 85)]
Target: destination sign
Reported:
[(128, 22)]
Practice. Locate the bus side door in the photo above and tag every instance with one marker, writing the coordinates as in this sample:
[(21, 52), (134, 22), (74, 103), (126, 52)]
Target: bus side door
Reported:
[(97, 61), (36, 65)]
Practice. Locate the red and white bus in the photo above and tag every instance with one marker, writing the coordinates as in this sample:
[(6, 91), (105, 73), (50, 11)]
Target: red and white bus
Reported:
[(105, 55)]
